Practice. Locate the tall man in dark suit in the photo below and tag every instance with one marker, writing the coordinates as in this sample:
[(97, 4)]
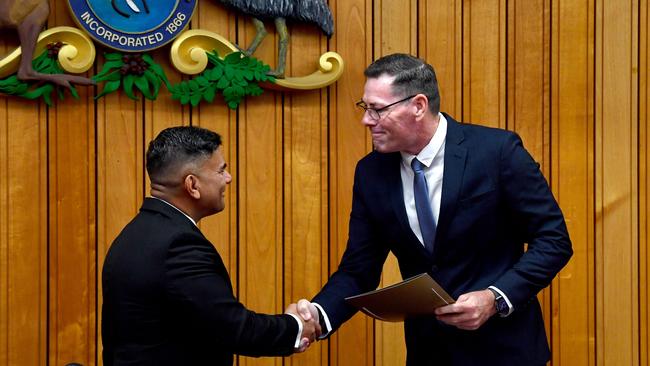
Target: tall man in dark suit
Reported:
[(457, 201), (167, 294)]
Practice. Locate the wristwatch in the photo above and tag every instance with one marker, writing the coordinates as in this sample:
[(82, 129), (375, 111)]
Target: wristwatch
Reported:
[(500, 303)]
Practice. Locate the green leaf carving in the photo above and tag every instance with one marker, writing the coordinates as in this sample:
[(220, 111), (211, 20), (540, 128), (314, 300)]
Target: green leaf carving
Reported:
[(143, 85), (147, 83), (109, 87), (33, 89), (235, 76), (128, 86), (113, 56)]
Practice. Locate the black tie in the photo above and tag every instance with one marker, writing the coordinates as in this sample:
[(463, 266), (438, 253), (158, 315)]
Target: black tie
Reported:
[(423, 205)]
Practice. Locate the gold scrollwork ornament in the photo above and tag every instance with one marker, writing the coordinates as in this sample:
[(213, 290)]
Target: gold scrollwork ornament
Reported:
[(188, 55), (76, 56)]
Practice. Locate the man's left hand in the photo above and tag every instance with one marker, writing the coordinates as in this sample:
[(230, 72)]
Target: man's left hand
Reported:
[(470, 311)]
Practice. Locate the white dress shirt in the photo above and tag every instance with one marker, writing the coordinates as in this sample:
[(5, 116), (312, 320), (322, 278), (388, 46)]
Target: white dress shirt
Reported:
[(433, 158)]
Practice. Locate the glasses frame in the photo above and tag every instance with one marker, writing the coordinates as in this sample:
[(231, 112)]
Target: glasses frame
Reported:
[(374, 113)]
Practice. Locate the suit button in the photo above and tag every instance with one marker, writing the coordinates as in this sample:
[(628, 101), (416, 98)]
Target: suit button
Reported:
[(434, 268)]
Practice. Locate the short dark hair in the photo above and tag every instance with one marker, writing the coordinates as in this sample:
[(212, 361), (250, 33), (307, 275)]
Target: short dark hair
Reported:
[(412, 76), (177, 146)]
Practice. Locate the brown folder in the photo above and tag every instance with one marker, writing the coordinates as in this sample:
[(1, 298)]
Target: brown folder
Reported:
[(416, 296)]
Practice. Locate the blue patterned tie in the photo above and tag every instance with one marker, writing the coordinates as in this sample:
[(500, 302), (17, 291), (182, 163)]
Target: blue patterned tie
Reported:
[(423, 205)]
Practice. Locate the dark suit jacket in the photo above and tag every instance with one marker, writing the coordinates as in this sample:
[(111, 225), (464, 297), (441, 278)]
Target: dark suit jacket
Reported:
[(168, 299), (494, 199)]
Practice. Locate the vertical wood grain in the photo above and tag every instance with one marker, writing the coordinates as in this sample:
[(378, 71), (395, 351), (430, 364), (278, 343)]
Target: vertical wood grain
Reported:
[(616, 186), (120, 176), (644, 180), (528, 65), (572, 171), (261, 195), (305, 180), (440, 37), (23, 233), (165, 112), (528, 94), (4, 229), (72, 236), (484, 62), (352, 344), (570, 77)]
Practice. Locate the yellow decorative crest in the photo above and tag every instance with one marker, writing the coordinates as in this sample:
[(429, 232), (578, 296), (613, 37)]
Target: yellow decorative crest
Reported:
[(76, 56)]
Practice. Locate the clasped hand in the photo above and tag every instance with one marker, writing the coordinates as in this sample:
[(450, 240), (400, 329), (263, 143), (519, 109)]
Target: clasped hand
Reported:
[(470, 311), (311, 329)]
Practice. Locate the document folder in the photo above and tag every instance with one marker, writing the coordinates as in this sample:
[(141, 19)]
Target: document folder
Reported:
[(416, 296)]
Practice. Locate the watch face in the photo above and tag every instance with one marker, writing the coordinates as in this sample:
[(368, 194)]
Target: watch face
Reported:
[(502, 306)]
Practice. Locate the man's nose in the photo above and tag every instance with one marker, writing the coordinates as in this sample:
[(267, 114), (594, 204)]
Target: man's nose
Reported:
[(366, 120)]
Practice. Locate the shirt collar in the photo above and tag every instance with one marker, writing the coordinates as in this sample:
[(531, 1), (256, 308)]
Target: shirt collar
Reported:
[(177, 209), (430, 151)]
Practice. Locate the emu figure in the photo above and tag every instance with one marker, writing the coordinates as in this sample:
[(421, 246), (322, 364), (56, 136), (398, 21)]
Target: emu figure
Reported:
[(308, 11)]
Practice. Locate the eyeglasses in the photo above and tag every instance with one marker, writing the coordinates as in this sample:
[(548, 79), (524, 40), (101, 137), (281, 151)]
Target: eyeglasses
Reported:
[(374, 112)]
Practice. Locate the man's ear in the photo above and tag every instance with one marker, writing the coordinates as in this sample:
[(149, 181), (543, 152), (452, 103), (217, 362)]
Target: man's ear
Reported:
[(421, 104), (191, 184)]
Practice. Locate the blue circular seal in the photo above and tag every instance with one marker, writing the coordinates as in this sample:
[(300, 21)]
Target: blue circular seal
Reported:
[(133, 25)]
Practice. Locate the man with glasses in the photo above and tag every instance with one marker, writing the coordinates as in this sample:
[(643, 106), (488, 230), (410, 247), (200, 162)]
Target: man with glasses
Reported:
[(459, 202)]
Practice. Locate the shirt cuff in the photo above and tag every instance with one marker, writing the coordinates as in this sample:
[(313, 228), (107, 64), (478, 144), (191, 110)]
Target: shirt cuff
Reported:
[(328, 326), (510, 307), (297, 344)]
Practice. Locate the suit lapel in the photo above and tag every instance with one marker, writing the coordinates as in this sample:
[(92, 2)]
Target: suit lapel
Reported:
[(455, 156), (396, 192)]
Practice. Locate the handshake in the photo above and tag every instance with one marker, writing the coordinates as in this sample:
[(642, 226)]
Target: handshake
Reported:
[(311, 330)]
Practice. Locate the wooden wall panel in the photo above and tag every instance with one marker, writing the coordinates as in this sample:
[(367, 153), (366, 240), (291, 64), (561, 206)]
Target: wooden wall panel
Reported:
[(72, 235), (261, 196), (353, 343), (528, 95), (644, 181), (162, 112), (23, 233), (572, 178), (23, 237), (440, 41), (72, 274), (4, 229), (484, 62), (120, 175), (570, 77), (616, 185), (528, 87), (305, 182)]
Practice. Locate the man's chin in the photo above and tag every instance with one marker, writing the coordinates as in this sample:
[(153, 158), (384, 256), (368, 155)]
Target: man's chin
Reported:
[(382, 148)]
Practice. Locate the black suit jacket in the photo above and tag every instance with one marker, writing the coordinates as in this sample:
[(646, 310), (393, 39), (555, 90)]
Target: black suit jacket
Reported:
[(168, 299), (494, 199)]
